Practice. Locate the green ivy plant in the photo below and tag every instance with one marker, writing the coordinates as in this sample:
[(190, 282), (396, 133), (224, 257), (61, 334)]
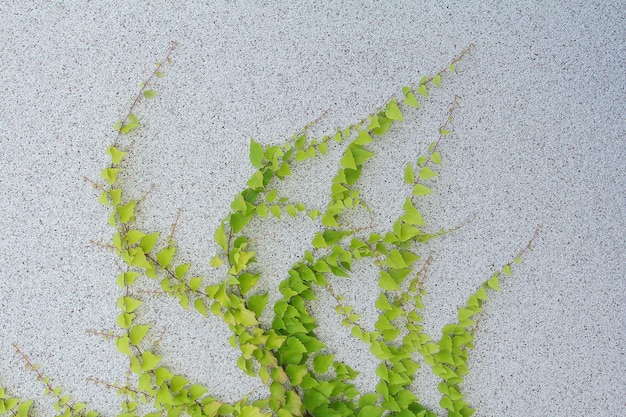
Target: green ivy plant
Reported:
[(302, 374)]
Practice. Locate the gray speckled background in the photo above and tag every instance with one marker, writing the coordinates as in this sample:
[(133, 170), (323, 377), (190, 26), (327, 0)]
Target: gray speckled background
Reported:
[(540, 140)]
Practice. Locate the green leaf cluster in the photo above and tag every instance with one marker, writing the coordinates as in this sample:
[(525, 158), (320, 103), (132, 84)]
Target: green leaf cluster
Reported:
[(302, 375)]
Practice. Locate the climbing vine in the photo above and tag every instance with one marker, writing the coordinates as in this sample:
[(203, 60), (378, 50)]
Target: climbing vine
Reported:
[(303, 376)]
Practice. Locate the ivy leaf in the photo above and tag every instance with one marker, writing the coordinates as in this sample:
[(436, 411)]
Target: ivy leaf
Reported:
[(506, 269), (110, 174), (149, 360), (24, 408), (347, 161), (382, 303), (371, 411), (164, 396), (409, 175), (127, 211), (250, 411), (361, 155), (437, 80), (423, 90), (427, 173), (386, 282), (256, 153), (216, 261), (196, 391), (220, 237), (122, 345), (178, 382), (200, 307), (133, 123), (261, 210), (493, 282), (148, 241), (116, 196), (291, 210), (420, 189), (393, 112), (256, 181), (164, 257), (412, 216), (284, 171), (238, 221), (181, 270), (257, 303), (150, 94), (104, 198), (137, 333), (409, 97), (292, 351), (194, 283), (321, 363), (363, 138), (247, 281), (131, 304), (116, 155)]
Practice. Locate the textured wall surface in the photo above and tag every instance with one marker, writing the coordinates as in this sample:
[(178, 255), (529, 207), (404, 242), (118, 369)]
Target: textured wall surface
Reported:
[(540, 140)]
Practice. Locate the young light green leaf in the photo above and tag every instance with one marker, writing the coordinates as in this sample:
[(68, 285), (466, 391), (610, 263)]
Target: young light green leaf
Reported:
[(347, 161), (386, 282), (178, 382), (493, 282), (393, 112), (150, 94), (256, 153), (110, 174), (420, 189), (131, 304), (116, 155), (116, 196), (137, 333), (198, 304), (257, 303), (220, 237), (148, 241), (261, 210), (164, 257), (181, 270), (291, 210), (256, 181), (437, 80), (149, 360), (216, 261), (275, 210), (104, 198), (412, 215), (127, 211), (122, 345), (409, 97), (284, 170), (321, 363), (409, 175), (194, 283), (382, 303), (423, 90), (427, 173)]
